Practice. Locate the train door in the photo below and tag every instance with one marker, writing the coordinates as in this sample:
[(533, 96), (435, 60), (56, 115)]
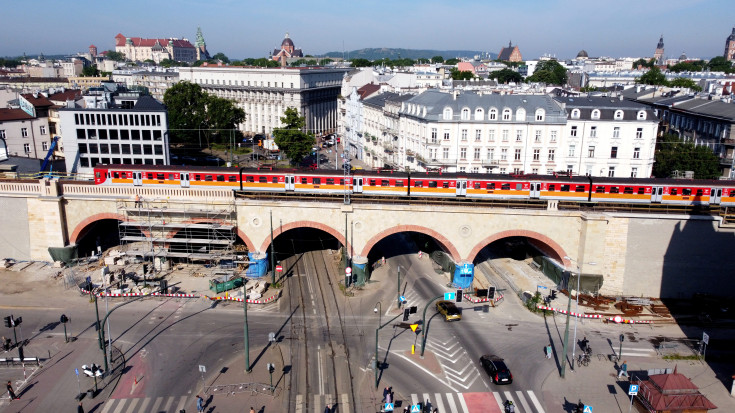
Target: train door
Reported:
[(715, 196), (657, 194), (184, 179), (535, 190), (290, 183), (137, 178), (461, 187), (357, 187)]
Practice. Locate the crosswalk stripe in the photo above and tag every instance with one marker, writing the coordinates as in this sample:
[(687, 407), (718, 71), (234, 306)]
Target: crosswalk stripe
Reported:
[(157, 404), (145, 404), (132, 405), (414, 398), (120, 405), (498, 399), (439, 403), (452, 405), (462, 402), (182, 403), (535, 401), (345, 407), (523, 401), (108, 406), (168, 403), (317, 399)]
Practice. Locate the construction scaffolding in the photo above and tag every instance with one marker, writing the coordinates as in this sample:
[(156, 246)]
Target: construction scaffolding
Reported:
[(180, 231)]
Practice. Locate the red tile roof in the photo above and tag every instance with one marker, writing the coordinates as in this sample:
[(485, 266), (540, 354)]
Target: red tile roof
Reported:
[(40, 102), (674, 393), (13, 114), (71, 94), (367, 90), (140, 42)]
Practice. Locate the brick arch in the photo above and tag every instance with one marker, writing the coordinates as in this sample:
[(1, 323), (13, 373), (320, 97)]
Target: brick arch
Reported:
[(240, 233), (79, 229), (547, 245), (441, 239), (305, 224)]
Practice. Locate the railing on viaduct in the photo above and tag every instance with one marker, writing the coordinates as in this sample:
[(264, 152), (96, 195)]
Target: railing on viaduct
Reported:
[(46, 187)]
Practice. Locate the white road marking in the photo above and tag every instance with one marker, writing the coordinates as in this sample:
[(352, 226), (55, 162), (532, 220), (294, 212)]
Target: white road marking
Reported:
[(462, 402), (299, 403), (535, 401), (498, 399), (439, 403), (452, 405), (319, 363), (523, 401)]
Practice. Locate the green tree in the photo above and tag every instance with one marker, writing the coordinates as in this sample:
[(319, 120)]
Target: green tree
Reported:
[(360, 62), (451, 62), (720, 64), (654, 76), (221, 118), (506, 76), (186, 104), (10, 62), (437, 59), (172, 63), (550, 72), (674, 154), (260, 62), (693, 66), (643, 63), (461, 75), (90, 71), (684, 82), (149, 61), (221, 57), (324, 62), (291, 139), (116, 56)]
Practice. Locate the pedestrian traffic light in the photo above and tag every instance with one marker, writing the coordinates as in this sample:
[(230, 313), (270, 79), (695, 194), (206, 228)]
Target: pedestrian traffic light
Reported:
[(406, 312), (413, 309), (17, 321), (459, 296), (64, 319), (491, 293), (8, 321), (553, 294)]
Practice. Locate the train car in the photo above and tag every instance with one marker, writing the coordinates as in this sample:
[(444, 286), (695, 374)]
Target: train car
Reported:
[(496, 188), (436, 185), (382, 183), (318, 182)]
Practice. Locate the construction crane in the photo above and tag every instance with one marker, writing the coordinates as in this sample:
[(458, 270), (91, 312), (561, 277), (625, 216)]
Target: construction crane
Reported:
[(48, 155)]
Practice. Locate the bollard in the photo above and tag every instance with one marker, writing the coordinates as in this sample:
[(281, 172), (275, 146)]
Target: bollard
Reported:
[(413, 348)]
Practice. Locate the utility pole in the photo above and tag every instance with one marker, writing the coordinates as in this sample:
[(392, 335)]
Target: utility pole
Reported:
[(245, 328), (273, 258)]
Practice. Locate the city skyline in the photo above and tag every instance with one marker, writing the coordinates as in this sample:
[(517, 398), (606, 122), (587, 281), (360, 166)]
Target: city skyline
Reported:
[(559, 28)]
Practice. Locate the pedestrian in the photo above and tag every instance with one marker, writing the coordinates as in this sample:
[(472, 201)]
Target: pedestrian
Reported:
[(252, 410), (328, 409), (138, 202), (80, 408), (11, 393), (386, 391), (623, 369), (548, 351), (585, 343), (200, 404), (388, 398)]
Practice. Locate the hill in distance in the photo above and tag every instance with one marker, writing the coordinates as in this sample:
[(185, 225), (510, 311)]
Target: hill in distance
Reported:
[(382, 53)]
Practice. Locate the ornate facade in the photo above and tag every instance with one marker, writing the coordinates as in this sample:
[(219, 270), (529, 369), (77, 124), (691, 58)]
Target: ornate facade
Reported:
[(139, 49)]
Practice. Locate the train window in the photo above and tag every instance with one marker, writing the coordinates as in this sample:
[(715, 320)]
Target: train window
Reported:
[(732, 192), (579, 188), (614, 190), (197, 177), (565, 188), (316, 181), (150, 176), (552, 187), (445, 184), (303, 181), (330, 181), (432, 184), (115, 175), (399, 184), (519, 187), (628, 190), (250, 179), (171, 177), (160, 177), (641, 190), (599, 189), (97, 175), (384, 182), (700, 192), (674, 191), (491, 185), (274, 180), (263, 179), (477, 185), (505, 187), (420, 184), (220, 178), (208, 178), (686, 191), (232, 178), (372, 182), (342, 181)]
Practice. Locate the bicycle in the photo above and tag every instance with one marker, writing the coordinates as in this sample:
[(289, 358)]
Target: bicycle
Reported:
[(583, 359)]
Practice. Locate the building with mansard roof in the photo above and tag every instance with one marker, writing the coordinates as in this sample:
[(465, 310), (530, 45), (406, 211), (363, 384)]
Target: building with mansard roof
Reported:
[(139, 49)]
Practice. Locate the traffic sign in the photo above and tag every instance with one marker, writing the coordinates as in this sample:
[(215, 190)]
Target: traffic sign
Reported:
[(705, 338), (402, 299), (587, 409), (202, 368), (415, 408), (449, 296), (618, 319), (542, 287), (633, 390), (348, 270), (388, 407), (279, 268), (414, 327)]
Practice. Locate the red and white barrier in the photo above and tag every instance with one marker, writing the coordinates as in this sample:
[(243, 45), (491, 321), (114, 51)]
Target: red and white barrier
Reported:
[(475, 300), (617, 319), (558, 310), (103, 294), (620, 320)]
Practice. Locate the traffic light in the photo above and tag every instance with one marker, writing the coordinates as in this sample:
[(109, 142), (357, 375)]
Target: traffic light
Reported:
[(491, 293), (164, 287), (8, 321), (553, 294), (406, 312), (64, 319), (17, 321), (413, 309), (459, 296)]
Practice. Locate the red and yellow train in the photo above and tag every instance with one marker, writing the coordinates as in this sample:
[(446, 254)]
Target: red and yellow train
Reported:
[(448, 185)]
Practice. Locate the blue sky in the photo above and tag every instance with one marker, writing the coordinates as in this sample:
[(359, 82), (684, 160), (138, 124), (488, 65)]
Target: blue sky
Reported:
[(252, 28)]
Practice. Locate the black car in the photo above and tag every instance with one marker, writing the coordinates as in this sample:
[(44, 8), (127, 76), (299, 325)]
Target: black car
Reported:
[(496, 369)]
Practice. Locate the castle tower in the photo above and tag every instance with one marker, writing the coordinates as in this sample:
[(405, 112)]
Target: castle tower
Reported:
[(730, 46), (658, 55), (93, 51), (201, 46)]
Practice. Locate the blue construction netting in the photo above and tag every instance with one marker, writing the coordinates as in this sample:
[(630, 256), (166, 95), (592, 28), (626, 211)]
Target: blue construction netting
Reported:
[(258, 266)]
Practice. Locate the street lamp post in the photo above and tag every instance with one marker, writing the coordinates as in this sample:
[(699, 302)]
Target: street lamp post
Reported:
[(378, 309), (247, 341), (569, 307)]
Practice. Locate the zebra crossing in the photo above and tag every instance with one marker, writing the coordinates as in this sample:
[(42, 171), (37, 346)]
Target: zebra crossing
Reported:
[(341, 403), (170, 404), (459, 370), (525, 402)]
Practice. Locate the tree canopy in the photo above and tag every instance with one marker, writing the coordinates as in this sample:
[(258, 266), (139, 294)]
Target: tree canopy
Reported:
[(691, 66), (437, 59), (9, 62), (451, 62), (685, 82), (172, 63), (674, 154), (653, 76), (506, 76), (643, 63), (193, 113), (90, 71), (360, 62), (550, 72), (720, 64), (461, 75), (291, 138), (221, 57), (116, 56)]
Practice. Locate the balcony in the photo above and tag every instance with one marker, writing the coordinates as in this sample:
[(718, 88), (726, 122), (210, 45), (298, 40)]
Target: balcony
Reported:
[(442, 161), (726, 161), (492, 163), (729, 142)]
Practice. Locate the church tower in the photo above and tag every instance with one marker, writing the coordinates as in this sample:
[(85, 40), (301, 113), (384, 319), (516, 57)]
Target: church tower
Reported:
[(658, 55), (730, 46), (201, 46)]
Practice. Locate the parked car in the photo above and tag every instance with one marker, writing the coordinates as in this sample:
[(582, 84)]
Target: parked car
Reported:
[(495, 368), (449, 310), (256, 157)]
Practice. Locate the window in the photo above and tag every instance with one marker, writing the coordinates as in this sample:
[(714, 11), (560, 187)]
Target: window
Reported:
[(445, 153), (2, 133), (505, 135), (536, 154), (636, 153), (618, 115), (591, 152), (27, 147), (478, 135), (464, 135), (570, 169), (552, 137), (571, 150), (433, 135), (573, 131), (463, 153), (575, 113), (633, 172), (641, 115), (44, 146), (504, 154), (479, 114), (477, 154), (611, 172), (446, 135), (540, 115), (493, 114), (639, 133), (43, 129), (502, 171), (616, 132), (519, 135), (465, 114), (538, 136), (593, 131), (506, 114), (490, 153), (534, 171), (595, 114), (24, 132), (517, 156), (552, 152), (491, 135), (447, 114)]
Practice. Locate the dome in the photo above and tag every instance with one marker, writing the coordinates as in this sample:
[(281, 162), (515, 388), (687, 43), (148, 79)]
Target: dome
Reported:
[(683, 56), (582, 53), (287, 41)]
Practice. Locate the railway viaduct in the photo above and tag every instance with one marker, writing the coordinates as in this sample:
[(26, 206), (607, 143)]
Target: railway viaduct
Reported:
[(640, 254)]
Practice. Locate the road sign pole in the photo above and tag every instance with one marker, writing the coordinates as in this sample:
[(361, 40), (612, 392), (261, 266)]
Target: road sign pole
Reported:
[(398, 287), (423, 324)]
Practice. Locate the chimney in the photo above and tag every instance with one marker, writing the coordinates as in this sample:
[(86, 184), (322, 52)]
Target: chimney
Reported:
[(620, 97)]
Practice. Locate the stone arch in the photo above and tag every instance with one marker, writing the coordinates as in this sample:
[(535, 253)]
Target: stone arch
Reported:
[(82, 226), (540, 241), (240, 233), (441, 239), (304, 224)]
